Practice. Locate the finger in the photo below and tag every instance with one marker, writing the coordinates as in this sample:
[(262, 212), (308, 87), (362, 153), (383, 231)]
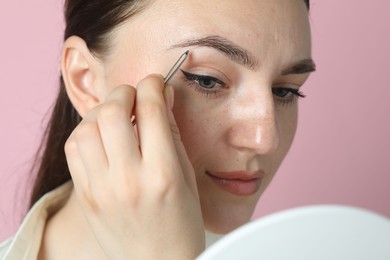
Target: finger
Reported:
[(90, 147), (75, 165), (117, 131), (80, 177), (154, 132), (185, 163)]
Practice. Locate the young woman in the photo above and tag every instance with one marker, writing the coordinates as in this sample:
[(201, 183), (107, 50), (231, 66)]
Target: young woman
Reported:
[(203, 148)]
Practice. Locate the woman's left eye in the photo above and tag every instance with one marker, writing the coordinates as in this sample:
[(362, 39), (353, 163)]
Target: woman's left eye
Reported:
[(286, 95), (205, 83)]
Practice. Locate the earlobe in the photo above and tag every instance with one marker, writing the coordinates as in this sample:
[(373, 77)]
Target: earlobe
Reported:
[(79, 71)]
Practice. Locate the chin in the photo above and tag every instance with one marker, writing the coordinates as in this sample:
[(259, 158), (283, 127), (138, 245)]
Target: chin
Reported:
[(224, 227), (222, 220)]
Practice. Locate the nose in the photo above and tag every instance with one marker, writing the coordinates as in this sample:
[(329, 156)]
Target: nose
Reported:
[(254, 128)]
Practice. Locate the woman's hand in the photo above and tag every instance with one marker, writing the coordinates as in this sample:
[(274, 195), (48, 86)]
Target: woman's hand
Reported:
[(137, 189)]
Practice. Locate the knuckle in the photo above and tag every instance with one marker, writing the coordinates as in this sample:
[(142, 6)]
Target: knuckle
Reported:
[(148, 109), (88, 198), (90, 201), (126, 89), (128, 195), (86, 130), (121, 91), (164, 182), (125, 189), (110, 112), (153, 80), (103, 199), (98, 198), (70, 146)]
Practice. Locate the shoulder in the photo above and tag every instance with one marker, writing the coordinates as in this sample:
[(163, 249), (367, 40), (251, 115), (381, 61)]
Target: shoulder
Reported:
[(4, 246)]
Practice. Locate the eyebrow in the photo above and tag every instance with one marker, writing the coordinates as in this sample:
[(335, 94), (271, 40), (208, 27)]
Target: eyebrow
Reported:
[(301, 67), (241, 55), (233, 51)]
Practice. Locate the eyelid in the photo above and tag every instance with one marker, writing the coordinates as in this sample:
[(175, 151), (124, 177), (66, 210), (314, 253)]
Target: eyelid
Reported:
[(209, 70), (291, 85), (295, 81), (194, 76), (293, 88), (293, 91)]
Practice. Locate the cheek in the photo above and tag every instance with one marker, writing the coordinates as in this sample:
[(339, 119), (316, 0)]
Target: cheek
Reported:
[(287, 122), (192, 128), (199, 128)]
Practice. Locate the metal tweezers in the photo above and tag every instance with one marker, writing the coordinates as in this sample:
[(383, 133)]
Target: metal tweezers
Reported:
[(172, 72)]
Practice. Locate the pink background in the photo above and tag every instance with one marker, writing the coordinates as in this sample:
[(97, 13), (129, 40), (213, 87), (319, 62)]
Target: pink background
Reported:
[(340, 154)]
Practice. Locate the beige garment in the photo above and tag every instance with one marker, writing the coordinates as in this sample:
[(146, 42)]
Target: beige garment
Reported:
[(26, 243)]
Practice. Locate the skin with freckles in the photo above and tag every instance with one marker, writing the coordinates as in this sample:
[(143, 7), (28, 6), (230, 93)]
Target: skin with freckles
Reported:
[(234, 114), (243, 126)]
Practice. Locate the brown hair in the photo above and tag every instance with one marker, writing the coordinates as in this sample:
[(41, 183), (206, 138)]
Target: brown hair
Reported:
[(92, 21)]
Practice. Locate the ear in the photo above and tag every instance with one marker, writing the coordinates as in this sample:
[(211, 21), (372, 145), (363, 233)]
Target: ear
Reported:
[(80, 71)]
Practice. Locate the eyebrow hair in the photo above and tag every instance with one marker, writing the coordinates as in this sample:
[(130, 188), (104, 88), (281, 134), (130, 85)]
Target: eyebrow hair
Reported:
[(301, 67), (241, 55), (233, 51)]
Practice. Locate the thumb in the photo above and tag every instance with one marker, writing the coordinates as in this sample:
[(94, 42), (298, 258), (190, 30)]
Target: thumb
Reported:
[(188, 170)]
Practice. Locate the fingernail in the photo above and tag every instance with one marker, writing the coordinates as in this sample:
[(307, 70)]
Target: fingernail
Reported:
[(169, 96)]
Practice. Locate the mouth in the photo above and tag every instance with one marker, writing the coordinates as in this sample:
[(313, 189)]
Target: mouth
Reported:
[(240, 183)]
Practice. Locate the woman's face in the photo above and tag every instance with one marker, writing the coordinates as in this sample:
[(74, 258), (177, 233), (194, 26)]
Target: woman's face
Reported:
[(237, 120)]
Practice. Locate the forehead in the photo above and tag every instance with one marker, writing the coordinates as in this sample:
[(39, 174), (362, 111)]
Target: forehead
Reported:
[(273, 30), (257, 25)]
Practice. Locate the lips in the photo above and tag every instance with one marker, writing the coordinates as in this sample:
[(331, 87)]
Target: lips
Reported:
[(241, 183)]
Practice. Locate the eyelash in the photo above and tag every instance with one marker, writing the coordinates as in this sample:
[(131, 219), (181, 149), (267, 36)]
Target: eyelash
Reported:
[(195, 80), (289, 95)]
